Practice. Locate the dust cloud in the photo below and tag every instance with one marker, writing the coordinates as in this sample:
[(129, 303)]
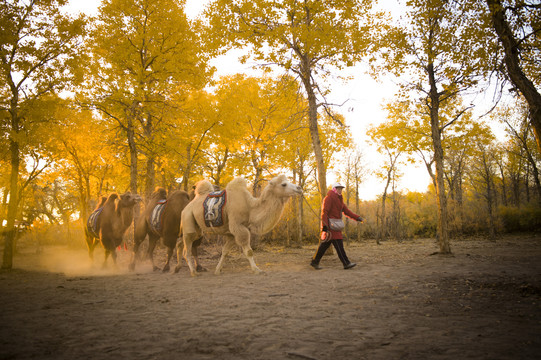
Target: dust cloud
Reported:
[(76, 262)]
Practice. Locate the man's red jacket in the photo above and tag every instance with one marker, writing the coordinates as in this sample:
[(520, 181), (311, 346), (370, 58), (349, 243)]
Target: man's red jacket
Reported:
[(333, 207)]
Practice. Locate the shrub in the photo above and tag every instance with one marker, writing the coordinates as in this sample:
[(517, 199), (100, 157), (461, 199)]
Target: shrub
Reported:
[(527, 218)]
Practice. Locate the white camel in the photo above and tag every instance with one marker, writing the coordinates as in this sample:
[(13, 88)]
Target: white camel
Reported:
[(242, 214)]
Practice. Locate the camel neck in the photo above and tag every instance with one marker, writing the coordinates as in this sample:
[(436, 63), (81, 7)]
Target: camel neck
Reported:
[(125, 215), (265, 213)]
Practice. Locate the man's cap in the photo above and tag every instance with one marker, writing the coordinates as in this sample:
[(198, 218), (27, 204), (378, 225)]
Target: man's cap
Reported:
[(337, 185)]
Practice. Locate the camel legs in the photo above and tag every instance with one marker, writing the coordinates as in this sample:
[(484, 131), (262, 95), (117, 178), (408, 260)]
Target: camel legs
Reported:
[(195, 246), (226, 248), (140, 235), (169, 242), (180, 247), (113, 256), (180, 254), (152, 240), (189, 240), (167, 267), (91, 243), (91, 246), (242, 238)]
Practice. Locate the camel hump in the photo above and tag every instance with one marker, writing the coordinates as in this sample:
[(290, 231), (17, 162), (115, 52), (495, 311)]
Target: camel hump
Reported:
[(179, 194), (112, 197), (203, 187), (102, 201), (159, 193), (111, 200), (238, 183)]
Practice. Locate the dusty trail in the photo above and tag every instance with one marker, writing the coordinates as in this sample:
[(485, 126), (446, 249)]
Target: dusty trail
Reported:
[(398, 303)]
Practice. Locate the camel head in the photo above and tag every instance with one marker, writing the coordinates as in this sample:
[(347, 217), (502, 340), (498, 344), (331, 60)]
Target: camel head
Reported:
[(282, 188), (127, 200)]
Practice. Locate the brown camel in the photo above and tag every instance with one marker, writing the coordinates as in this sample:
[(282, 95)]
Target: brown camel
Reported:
[(108, 223), (241, 215), (161, 219)]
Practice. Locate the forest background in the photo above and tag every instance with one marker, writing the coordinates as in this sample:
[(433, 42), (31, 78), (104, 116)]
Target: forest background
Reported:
[(127, 101)]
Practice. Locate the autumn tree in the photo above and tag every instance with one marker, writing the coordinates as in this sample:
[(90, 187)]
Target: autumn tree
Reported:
[(255, 116), (386, 139), (301, 164), (190, 135), (436, 50), (307, 38), (517, 24), (521, 135), (85, 159), (37, 47), (142, 51), (483, 172), (354, 173)]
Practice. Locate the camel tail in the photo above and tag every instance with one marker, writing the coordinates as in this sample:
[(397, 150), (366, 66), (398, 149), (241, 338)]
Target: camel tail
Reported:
[(203, 187)]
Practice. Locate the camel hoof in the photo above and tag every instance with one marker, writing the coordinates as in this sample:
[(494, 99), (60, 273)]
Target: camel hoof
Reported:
[(155, 268), (166, 269), (200, 269), (195, 274), (217, 272), (177, 269), (258, 271)]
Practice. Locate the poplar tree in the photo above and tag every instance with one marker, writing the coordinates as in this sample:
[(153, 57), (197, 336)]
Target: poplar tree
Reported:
[(308, 38), (38, 44), (440, 58)]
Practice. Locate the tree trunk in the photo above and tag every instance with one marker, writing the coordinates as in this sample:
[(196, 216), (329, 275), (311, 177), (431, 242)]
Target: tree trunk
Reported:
[(258, 178), (188, 168), (535, 171), (4, 209), (300, 215), (13, 191), (443, 232), (313, 127), (300, 208), (150, 178), (133, 168), (490, 207), (357, 207), (381, 232), (504, 183), (514, 70), (133, 156)]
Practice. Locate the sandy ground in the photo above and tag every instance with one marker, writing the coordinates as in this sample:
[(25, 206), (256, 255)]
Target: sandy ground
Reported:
[(400, 302)]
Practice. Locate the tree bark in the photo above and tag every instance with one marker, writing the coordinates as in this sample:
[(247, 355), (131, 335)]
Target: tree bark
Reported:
[(443, 231), (357, 207), (381, 233), (490, 208), (514, 69), (187, 169), (133, 156), (150, 178), (313, 127), (13, 185), (12, 206)]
